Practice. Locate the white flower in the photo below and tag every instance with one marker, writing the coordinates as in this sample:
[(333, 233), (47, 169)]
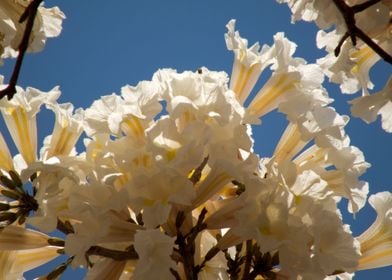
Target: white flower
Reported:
[(216, 268), (55, 181), (200, 96), (143, 98), (105, 115), (14, 263), (19, 238), (154, 250), (157, 191), (291, 78), (369, 106), (20, 117), (217, 178), (351, 68), (248, 64), (175, 147), (322, 122), (142, 107), (321, 245), (334, 247), (309, 183), (330, 163), (47, 24), (23, 249), (341, 276), (106, 269), (324, 13), (68, 127), (376, 241)]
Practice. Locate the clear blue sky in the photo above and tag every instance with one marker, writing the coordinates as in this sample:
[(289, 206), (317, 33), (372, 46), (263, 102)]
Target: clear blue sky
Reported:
[(107, 44)]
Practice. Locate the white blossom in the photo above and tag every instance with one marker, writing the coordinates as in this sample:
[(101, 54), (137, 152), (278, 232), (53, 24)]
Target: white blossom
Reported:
[(47, 24), (376, 241), (154, 249)]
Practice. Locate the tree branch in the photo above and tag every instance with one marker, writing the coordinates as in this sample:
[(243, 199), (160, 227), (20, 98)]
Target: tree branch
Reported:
[(29, 14), (113, 254), (363, 6), (248, 259), (186, 245), (65, 227)]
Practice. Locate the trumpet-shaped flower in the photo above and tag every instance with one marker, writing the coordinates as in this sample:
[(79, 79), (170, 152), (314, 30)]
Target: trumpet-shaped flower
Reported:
[(66, 132), (20, 117), (291, 77), (248, 64), (23, 249), (105, 115), (324, 13), (54, 182), (19, 238), (331, 160), (376, 241), (369, 106), (14, 263)]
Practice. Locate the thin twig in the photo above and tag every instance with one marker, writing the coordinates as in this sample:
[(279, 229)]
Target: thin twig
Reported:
[(196, 175), (363, 6), (349, 18), (113, 254), (248, 259), (29, 14), (175, 274), (342, 40), (64, 227), (186, 245)]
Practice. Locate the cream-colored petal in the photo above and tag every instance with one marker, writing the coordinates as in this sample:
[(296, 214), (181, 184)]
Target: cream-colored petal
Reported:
[(20, 238)]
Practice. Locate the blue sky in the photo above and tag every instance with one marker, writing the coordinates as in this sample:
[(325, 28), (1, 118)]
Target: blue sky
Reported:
[(108, 44)]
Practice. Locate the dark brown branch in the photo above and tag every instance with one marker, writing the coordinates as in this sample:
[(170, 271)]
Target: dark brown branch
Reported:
[(58, 271), (210, 254), (186, 245), (248, 259), (65, 227), (353, 31), (113, 254), (175, 274), (342, 40), (29, 14), (197, 172), (349, 18), (363, 6), (234, 265)]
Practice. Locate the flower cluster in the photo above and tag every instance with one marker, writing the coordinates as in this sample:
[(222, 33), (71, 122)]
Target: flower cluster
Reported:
[(350, 32), (168, 185)]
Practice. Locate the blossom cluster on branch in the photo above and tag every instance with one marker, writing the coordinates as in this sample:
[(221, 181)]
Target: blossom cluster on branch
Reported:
[(168, 185)]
